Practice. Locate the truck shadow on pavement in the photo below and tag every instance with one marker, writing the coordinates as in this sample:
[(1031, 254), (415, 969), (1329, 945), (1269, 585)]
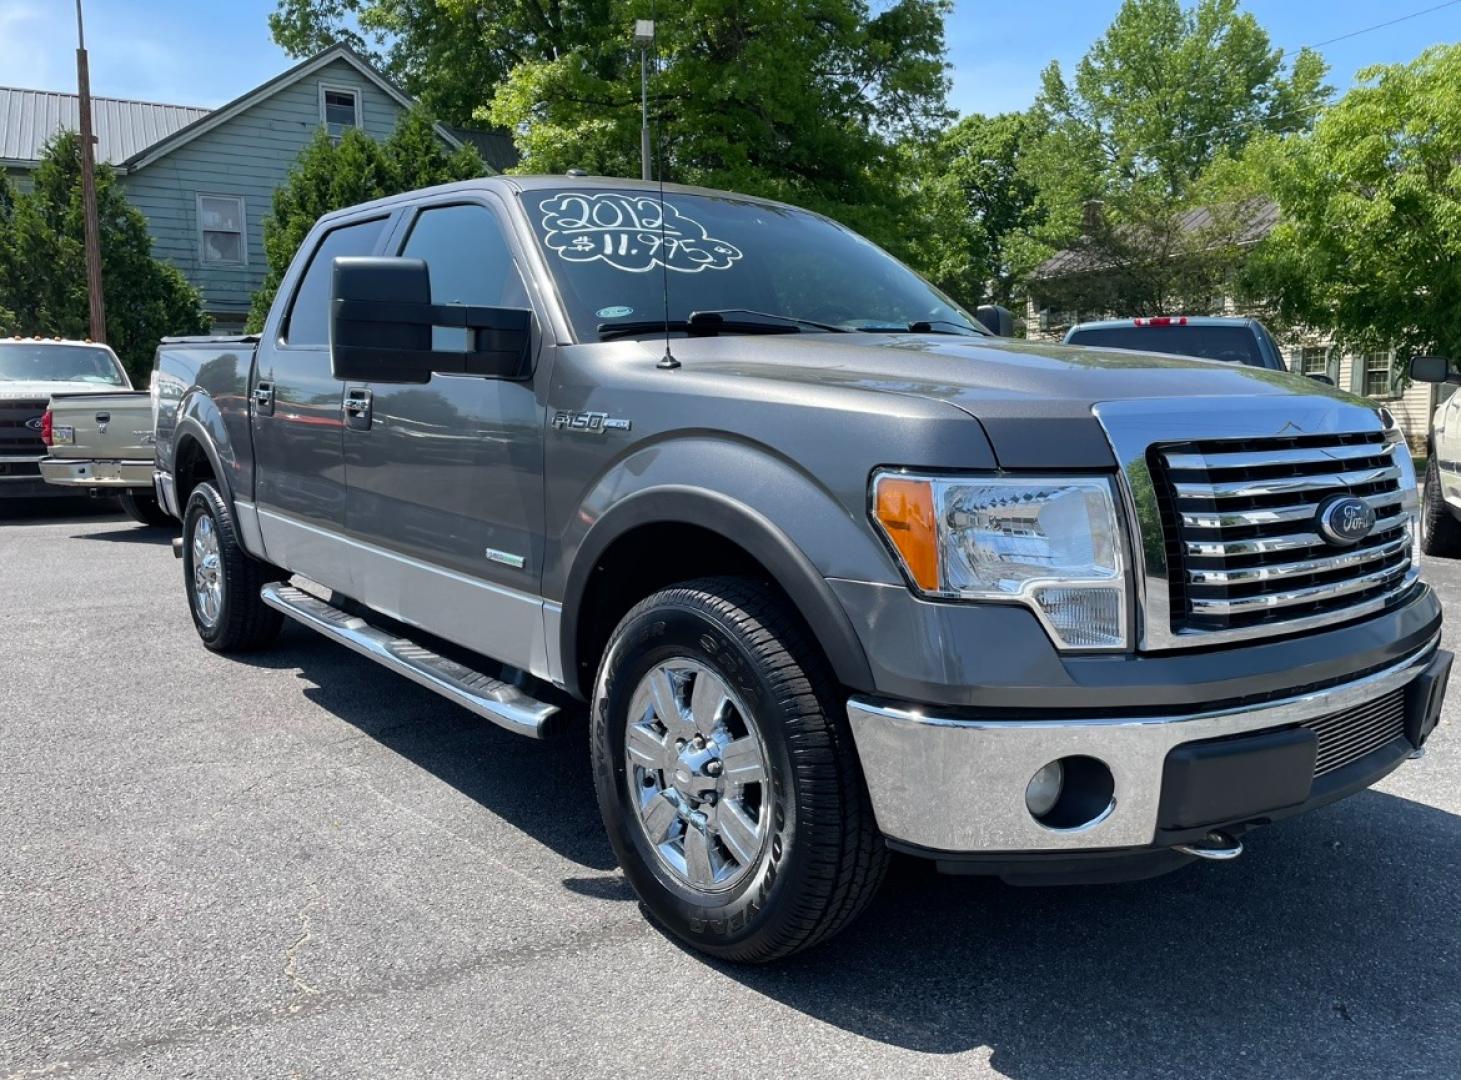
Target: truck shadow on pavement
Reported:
[(132, 534), (503, 772), (1332, 948)]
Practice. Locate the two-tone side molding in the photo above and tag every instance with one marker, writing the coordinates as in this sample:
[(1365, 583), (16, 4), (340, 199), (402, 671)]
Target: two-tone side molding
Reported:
[(490, 698)]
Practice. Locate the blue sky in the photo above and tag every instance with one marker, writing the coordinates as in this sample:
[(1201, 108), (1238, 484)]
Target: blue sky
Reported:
[(205, 52)]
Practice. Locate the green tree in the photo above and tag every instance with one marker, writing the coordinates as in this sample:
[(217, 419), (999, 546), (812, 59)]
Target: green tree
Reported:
[(330, 174), (1167, 90), (1164, 97), (43, 264), (977, 197), (448, 54), (802, 100), (7, 257), (1368, 248)]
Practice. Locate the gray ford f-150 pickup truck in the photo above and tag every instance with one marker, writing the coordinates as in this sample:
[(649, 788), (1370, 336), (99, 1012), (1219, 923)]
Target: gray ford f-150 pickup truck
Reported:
[(835, 570)]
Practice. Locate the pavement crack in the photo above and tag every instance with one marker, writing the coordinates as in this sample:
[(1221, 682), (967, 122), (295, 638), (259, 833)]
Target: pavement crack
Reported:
[(301, 989)]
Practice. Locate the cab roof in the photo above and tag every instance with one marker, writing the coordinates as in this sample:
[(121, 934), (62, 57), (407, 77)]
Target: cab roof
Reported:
[(39, 340), (518, 184)]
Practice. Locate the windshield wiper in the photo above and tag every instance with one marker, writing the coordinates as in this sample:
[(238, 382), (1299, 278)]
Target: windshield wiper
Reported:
[(924, 326), (722, 312), (709, 323)]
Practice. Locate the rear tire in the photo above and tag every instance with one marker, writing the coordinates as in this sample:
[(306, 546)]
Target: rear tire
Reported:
[(222, 580), (768, 845), (1440, 532), (143, 508)]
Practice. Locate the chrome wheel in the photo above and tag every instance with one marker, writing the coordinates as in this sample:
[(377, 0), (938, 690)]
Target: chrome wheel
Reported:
[(207, 571), (698, 775)]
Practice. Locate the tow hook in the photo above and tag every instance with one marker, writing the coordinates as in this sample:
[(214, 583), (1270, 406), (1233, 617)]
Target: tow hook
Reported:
[(1218, 846)]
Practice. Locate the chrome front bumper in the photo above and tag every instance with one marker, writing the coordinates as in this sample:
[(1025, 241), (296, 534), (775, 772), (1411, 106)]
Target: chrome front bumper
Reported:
[(64, 472), (958, 785)]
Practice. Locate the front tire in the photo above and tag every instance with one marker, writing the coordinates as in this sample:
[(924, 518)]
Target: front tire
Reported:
[(223, 580), (726, 774), (144, 509), (1440, 532)]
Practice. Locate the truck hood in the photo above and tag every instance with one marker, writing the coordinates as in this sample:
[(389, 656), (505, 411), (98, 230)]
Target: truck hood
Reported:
[(1033, 399)]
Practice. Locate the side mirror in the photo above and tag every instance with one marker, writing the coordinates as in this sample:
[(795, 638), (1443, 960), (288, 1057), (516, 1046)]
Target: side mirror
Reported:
[(1432, 369), (999, 321), (381, 318), (1325, 379)]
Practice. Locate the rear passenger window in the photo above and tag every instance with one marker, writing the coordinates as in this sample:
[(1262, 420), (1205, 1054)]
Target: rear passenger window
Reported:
[(308, 322), (469, 261)]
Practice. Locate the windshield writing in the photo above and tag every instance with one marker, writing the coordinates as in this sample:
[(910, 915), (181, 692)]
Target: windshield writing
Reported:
[(614, 255)]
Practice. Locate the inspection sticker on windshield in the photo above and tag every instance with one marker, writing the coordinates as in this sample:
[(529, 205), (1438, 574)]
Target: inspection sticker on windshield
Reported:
[(630, 232), (618, 311)]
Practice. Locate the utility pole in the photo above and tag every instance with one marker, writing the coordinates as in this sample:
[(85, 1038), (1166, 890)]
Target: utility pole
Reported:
[(88, 188), (644, 38)]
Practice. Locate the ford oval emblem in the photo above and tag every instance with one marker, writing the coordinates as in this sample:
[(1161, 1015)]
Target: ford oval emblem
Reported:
[(1345, 520), (34, 423)]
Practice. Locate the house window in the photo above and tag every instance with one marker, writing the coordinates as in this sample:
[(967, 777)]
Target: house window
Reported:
[(339, 108), (1314, 360), (221, 229), (1376, 368)]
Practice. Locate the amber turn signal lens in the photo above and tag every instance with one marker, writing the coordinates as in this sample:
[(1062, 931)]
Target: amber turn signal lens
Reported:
[(905, 511)]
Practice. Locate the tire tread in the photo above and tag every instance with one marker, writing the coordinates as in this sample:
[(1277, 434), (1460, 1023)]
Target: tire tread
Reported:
[(248, 623), (845, 856), (1441, 534)]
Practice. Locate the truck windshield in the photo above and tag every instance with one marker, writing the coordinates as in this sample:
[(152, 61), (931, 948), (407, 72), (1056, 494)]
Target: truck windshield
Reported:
[(1236, 344), (25, 361), (613, 252)]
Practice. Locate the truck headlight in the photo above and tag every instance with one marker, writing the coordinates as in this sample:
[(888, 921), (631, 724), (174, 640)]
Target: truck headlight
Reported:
[(1051, 543)]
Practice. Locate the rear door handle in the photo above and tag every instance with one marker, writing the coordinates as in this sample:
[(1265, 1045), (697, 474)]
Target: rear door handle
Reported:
[(264, 398), (358, 408)]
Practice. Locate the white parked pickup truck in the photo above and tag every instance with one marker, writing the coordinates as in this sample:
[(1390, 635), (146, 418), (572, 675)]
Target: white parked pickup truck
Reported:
[(71, 423)]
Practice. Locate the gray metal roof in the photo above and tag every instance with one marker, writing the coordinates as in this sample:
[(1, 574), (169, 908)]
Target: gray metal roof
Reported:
[(1255, 220), (29, 117)]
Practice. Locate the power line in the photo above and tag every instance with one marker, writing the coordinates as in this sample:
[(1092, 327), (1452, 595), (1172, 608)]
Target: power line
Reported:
[(1381, 26)]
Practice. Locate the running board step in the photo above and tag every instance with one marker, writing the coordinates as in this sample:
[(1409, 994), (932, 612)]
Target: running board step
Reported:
[(490, 698)]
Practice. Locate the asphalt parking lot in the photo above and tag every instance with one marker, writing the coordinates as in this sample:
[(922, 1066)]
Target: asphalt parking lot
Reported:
[(300, 865)]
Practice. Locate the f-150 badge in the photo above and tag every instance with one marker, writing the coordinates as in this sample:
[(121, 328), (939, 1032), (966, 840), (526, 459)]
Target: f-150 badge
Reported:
[(589, 422)]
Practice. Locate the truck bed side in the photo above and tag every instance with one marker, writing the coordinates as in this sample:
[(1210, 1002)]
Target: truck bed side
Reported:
[(200, 395)]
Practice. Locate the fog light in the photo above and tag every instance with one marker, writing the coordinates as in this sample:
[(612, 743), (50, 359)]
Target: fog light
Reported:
[(1043, 790)]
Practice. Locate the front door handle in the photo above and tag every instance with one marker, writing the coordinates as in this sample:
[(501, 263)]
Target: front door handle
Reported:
[(357, 408), (264, 399)]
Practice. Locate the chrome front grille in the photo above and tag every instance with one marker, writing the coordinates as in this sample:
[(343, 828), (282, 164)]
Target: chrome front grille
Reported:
[(1349, 735), (1239, 518), (1223, 496)]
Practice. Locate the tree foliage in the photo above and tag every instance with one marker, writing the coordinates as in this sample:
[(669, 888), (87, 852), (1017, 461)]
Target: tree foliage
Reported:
[(43, 264), (447, 54), (330, 174), (1167, 90), (1369, 245), (978, 199), (1162, 99), (802, 100)]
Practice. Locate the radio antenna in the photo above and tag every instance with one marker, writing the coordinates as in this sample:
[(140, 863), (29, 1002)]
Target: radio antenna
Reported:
[(668, 361)]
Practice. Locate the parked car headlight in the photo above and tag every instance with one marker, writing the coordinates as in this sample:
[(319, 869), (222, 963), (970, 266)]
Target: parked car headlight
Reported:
[(1052, 543)]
